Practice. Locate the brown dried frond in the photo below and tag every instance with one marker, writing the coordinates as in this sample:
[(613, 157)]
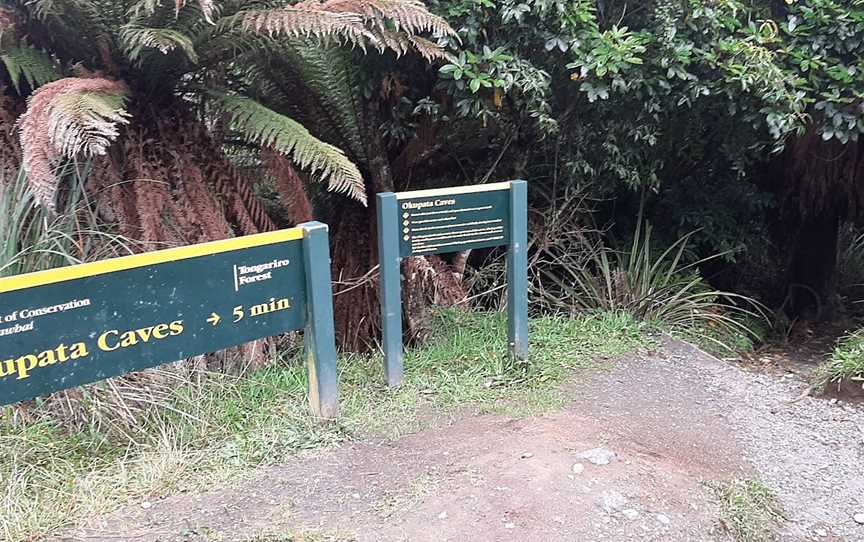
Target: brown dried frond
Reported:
[(402, 43), (246, 210), (409, 16), (8, 22), (290, 187), (300, 22), (152, 198), (65, 118), (203, 209)]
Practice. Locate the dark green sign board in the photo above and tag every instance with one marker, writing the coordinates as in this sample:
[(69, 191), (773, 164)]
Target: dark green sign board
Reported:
[(445, 220), (80, 324), (433, 224)]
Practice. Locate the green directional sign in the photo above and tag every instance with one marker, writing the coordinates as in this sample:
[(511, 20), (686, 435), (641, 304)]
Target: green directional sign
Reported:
[(80, 324), (446, 220)]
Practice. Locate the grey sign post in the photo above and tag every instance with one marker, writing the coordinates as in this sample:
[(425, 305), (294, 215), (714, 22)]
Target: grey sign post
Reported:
[(452, 220)]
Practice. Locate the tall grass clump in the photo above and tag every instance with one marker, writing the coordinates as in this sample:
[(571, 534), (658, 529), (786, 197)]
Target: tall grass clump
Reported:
[(749, 510), (657, 286), (845, 365), (32, 238)]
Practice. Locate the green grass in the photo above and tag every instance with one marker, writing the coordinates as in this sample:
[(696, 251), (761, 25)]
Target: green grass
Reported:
[(748, 509), (213, 428), (846, 363)]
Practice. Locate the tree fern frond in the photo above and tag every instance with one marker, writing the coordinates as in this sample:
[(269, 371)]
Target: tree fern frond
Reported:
[(31, 64), (410, 16), (296, 22), (44, 9), (208, 8), (265, 127), (136, 39), (402, 43), (85, 123), (354, 21), (64, 118), (330, 78)]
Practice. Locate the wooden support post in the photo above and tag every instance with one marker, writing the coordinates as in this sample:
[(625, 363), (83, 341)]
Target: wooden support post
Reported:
[(319, 336), (517, 271), (389, 283)]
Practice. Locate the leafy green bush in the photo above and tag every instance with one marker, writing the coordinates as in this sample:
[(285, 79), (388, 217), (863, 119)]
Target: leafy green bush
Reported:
[(846, 363)]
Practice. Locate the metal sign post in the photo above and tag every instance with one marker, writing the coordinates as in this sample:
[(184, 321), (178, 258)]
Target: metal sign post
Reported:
[(74, 325), (452, 220)]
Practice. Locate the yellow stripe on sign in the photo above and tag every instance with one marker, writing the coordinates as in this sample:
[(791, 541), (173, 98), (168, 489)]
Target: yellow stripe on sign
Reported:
[(61, 274), (453, 191)]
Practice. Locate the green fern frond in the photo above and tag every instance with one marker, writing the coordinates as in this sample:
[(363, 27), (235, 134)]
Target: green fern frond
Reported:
[(330, 78), (85, 123), (31, 64), (265, 127), (135, 40)]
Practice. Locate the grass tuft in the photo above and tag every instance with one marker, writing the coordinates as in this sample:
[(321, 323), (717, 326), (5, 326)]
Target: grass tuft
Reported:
[(749, 510), (846, 363), (212, 428)]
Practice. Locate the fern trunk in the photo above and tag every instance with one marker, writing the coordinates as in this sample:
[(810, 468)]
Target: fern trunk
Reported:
[(821, 185)]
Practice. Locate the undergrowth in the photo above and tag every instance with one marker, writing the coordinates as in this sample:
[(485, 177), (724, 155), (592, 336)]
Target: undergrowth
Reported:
[(216, 427), (846, 363)]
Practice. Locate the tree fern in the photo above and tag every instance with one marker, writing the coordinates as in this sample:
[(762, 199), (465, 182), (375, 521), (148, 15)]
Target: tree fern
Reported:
[(30, 64), (265, 127)]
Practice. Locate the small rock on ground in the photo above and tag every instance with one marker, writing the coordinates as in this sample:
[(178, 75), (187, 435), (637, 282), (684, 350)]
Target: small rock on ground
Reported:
[(598, 456)]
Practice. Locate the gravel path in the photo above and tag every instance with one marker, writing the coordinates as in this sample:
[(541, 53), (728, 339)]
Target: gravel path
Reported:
[(810, 452), (628, 459)]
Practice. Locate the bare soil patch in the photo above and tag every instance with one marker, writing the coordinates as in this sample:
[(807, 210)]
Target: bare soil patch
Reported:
[(676, 420)]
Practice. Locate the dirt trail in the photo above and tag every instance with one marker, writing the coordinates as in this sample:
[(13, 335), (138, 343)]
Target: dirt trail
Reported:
[(675, 420)]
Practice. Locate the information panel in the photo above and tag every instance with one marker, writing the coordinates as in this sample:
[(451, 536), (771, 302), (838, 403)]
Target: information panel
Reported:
[(80, 324), (436, 221), (445, 220)]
